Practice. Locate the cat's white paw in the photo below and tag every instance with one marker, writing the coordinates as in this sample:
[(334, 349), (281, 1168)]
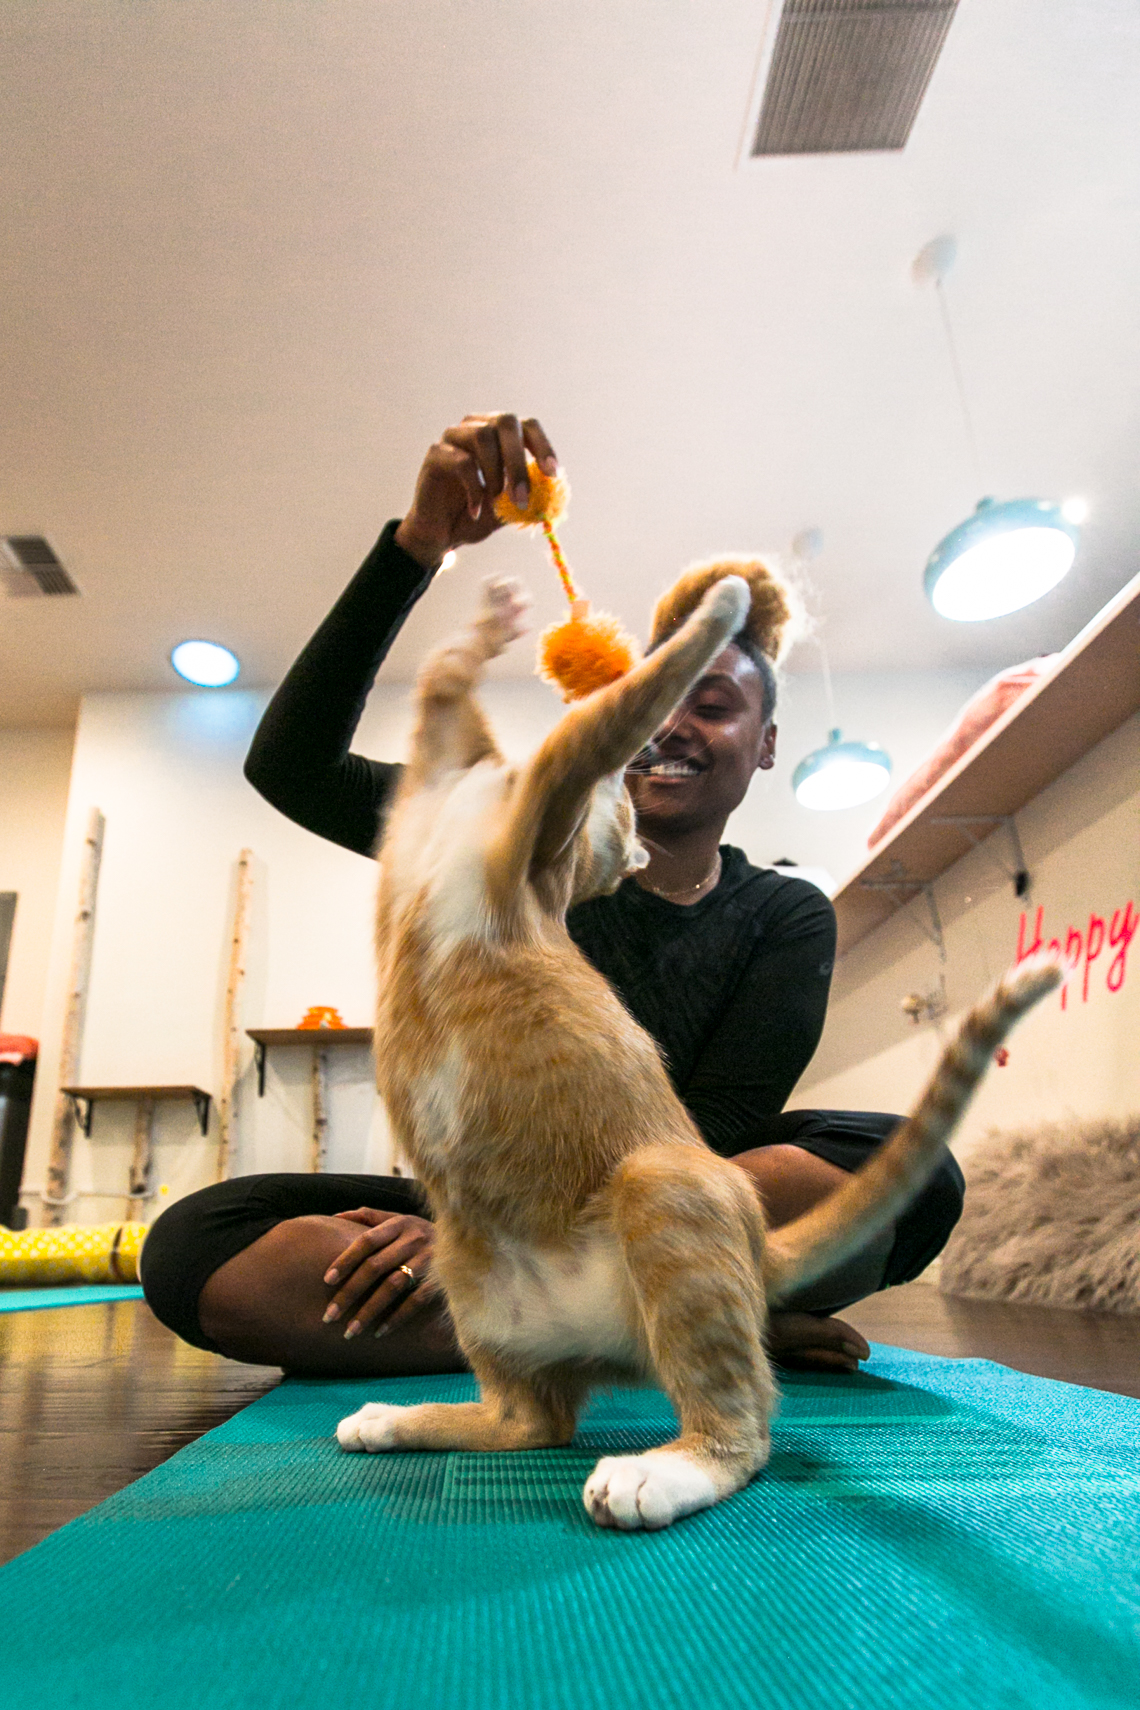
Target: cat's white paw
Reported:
[(373, 1429), (731, 598), (645, 1492), (505, 605)]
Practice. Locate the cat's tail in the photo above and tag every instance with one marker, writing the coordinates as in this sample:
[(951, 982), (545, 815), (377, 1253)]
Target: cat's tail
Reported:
[(800, 1252)]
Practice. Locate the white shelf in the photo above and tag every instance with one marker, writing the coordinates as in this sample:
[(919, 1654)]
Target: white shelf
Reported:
[(1093, 689)]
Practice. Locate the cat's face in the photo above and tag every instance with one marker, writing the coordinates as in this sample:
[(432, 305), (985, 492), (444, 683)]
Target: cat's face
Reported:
[(607, 848)]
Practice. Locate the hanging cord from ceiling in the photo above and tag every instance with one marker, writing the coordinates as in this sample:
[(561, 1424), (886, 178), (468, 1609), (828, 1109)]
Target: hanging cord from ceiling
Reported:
[(959, 382)]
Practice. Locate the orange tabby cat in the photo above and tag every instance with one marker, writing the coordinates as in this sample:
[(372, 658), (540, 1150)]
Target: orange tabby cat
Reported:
[(585, 1232)]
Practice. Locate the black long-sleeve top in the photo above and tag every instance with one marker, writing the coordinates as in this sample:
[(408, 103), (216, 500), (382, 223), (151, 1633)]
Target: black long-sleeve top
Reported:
[(733, 987)]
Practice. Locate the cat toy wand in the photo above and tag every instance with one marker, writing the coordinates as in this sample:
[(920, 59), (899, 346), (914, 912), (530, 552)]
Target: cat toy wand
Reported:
[(586, 650)]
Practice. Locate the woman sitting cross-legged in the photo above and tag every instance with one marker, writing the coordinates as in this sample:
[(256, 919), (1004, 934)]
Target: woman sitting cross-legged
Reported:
[(726, 965)]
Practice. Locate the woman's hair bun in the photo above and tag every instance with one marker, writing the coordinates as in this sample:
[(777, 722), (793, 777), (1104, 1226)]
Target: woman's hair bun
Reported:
[(774, 614)]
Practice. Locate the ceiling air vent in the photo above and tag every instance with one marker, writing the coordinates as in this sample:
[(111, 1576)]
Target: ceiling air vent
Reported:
[(849, 75), (30, 568)]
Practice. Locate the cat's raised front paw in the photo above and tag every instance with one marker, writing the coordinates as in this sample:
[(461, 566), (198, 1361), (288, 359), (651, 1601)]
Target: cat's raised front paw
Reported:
[(503, 615), (372, 1430), (730, 598), (638, 1493)]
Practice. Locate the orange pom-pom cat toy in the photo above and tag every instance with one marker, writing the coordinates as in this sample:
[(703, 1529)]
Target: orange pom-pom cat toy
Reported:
[(586, 650)]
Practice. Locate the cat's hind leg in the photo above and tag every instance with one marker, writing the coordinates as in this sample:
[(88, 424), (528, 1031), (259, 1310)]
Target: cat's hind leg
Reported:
[(691, 1232), (514, 1411), (451, 730)]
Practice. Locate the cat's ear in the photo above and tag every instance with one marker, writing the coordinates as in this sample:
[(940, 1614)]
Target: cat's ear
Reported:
[(601, 735)]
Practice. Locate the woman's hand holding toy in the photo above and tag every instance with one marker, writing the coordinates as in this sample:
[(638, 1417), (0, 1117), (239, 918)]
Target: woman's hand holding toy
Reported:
[(492, 470), (462, 475)]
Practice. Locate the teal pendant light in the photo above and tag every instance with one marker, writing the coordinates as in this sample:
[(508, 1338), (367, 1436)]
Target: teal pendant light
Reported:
[(1002, 558), (1009, 553), (842, 775)]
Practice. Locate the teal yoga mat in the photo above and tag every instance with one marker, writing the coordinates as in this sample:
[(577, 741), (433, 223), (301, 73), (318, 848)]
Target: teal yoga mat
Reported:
[(930, 1533), (83, 1294)]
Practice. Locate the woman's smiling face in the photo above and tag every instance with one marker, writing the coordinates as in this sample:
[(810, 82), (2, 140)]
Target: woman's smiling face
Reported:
[(702, 761)]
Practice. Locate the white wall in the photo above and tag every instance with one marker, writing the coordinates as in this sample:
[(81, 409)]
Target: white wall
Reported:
[(34, 770), (166, 772), (1076, 1056)]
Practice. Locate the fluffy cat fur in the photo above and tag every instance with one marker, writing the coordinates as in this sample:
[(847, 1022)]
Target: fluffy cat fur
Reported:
[(773, 621), (1052, 1218), (585, 1232)]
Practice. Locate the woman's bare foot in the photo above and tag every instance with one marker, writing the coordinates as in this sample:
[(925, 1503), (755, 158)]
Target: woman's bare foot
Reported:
[(802, 1342)]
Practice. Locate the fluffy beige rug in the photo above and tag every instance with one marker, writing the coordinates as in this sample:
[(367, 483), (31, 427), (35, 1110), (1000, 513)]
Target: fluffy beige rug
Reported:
[(1053, 1218)]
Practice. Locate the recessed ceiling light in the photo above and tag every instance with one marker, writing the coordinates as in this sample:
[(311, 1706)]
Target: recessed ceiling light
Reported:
[(1075, 511), (206, 663), (842, 775), (1002, 558)]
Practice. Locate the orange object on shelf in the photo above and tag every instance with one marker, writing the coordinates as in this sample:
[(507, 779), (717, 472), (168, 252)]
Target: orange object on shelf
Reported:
[(321, 1015)]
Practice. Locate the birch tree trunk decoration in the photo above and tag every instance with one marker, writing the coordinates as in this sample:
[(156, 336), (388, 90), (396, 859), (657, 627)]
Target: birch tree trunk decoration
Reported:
[(320, 1083), (231, 1038), (141, 1161), (63, 1122)]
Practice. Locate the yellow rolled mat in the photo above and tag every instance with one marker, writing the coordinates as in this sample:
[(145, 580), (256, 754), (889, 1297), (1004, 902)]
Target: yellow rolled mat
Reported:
[(88, 1252)]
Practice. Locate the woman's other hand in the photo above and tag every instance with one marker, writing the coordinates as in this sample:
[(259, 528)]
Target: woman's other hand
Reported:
[(372, 1288), (802, 1342), (462, 475)]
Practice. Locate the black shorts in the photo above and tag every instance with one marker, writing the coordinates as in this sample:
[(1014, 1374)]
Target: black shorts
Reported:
[(197, 1235)]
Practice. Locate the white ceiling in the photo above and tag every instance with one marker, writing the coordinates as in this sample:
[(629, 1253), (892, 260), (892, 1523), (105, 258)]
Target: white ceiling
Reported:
[(259, 252)]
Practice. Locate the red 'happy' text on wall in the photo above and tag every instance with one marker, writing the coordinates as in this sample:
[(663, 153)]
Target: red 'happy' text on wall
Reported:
[(1104, 941)]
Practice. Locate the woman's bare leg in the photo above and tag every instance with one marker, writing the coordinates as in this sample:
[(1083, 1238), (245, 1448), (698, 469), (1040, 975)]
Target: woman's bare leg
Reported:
[(266, 1305)]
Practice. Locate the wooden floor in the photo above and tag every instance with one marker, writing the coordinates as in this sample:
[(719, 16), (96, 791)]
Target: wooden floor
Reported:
[(91, 1397), (1096, 1349)]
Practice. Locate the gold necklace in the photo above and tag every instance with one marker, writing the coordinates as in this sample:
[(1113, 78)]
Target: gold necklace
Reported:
[(689, 890)]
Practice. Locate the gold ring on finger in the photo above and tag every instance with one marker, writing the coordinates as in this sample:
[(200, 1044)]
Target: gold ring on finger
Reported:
[(413, 1279)]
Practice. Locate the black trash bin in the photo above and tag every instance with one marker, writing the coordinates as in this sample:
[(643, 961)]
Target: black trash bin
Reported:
[(17, 1076)]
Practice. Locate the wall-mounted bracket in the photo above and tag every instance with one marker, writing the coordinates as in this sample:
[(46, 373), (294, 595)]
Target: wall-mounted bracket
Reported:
[(903, 882), (1018, 874), (264, 1037), (83, 1110), (927, 1006), (84, 1099), (318, 1040)]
